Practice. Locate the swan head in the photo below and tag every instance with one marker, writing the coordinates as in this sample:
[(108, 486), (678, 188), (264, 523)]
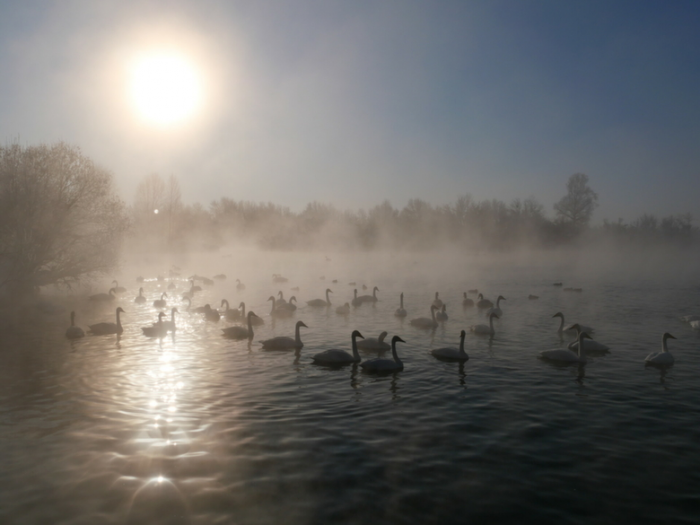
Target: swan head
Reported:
[(481, 296), (120, 310), (559, 314), (280, 294), (375, 289), (436, 295), (396, 339), (141, 291), (668, 336), (300, 324), (382, 336), (160, 316), (462, 334), (163, 295), (328, 290), (494, 314), (207, 307), (271, 298), (241, 305), (501, 298), (223, 301), (251, 314), (356, 333), (293, 298)]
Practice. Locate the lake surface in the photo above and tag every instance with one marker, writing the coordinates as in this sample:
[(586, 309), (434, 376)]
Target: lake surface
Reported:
[(200, 429)]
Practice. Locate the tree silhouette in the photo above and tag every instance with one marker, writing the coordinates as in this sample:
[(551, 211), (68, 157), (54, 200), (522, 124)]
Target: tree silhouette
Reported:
[(576, 207)]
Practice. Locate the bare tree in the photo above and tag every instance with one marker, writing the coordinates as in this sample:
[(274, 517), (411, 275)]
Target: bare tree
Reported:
[(60, 218), (576, 207)]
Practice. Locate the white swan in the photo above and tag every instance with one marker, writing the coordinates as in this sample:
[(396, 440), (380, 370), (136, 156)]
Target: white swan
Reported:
[(425, 322), (157, 330), (695, 325), (570, 328), (564, 355), (690, 318), (356, 300), (210, 314), (340, 357), (170, 325), (375, 344), (231, 314), (140, 298), (496, 309), (190, 293), (161, 303), (108, 328), (277, 278), (104, 296), (278, 312), (437, 302), (369, 298), (319, 303), (255, 321), (239, 285), (663, 358), (442, 314), (451, 353), (483, 303), (590, 346), (467, 302), (343, 310), (285, 343), (385, 365), (485, 329), (117, 288), (281, 301), (288, 306), (240, 332), (400, 311), (74, 332)]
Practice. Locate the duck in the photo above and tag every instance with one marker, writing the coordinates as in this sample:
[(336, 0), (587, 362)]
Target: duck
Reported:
[(369, 298), (497, 308), (375, 344), (210, 314), (570, 328), (103, 297), (320, 303), (400, 311), (140, 298), (663, 358), (229, 313), (285, 343), (169, 326), (564, 355), (425, 322), (239, 285), (442, 314), (157, 330), (385, 365), (240, 332), (161, 303), (451, 353), (340, 357), (483, 303), (117, 288), (437, 302), (467, 302), (343, 310), (74, 332), (485, 329), (108, 328)]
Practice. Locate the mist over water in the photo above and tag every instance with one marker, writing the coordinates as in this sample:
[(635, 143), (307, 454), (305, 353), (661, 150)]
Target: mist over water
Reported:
[(197, 428)]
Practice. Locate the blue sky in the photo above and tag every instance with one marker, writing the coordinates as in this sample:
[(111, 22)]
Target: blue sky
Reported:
[(355, 102)]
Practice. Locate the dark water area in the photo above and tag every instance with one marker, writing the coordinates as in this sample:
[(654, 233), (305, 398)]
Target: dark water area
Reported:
[(196, 428)]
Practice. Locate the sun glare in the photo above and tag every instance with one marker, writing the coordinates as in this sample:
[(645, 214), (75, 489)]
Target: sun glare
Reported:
[(165, 88)]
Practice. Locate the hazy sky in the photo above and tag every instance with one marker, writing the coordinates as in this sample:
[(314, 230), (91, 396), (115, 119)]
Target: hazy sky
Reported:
[(353, 102)]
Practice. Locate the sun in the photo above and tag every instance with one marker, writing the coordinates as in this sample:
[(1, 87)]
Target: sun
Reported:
[(165, 88)]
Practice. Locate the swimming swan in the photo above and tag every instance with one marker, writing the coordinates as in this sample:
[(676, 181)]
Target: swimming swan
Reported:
[(161, 303), (169, 326), (108, 328), (400, 311), (340, 357), (210, 314), (483, 303), (356, 300), (496, 309), (369, 298), (117, 288), (467, 302), (104, 296), (437, 302), (240, 332), (570, 328), (564, 355), (385, 365), (74, 332), (140, 298), (442, 314), (319, 303), (376, 344), (663, 358), (157, 330), (343, 310), (451, 353), (425, 322), (231, 314), (485, 329), (285, 343)]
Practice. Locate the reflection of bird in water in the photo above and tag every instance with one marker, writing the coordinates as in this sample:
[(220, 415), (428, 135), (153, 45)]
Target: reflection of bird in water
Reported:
[(74, 332), (663, 358), (385, 365), (108, 328), (285, 343), (335, 356), (452, 353)]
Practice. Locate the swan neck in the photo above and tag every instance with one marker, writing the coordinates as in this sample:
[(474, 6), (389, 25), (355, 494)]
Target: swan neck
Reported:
[(561, 324), (226, 303), (491, 324), (461, 345), (72, 319), (402, 301), (580, 345), (297, 335), (250, 326), (664, 345), (355, 353), (328, 299), (273, 307), (243, 308), (394, 354), (119, 321)]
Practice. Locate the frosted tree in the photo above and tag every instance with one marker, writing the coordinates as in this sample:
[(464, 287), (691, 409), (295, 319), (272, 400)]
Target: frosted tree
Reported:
[(576, 207)]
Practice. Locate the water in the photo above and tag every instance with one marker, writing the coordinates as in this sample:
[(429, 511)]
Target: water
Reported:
[(199, 429)]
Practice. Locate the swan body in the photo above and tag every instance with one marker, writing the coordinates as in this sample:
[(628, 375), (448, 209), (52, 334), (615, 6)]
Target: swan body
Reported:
[(285, 343), (157, 330), (289, 306), (496, 309), (572, 327), (695, 325), (356, 300), (451, 353), (161, 303), (240, 332), (340, 357), (281, 301), (221, 277), (564, 355), (108, 328), (467, 302), (485, 329), (74, 332), (400, 311), (425, 322), (483, 303), (277, 278), (369, 298), (442, 314), (103, 296), (590, 346), (320, 303), (210, 314), (278, 312), (140, 298), (376, 344), (117, 288), (169, 326), (255, 321), (385, 365), (231, 314), (663, 358), (437, 302), (533, 297), (343, 310)]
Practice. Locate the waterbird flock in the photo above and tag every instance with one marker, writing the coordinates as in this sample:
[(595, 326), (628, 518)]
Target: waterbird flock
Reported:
[(576, 352)]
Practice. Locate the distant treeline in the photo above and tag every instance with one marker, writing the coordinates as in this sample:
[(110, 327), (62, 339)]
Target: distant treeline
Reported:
[(467, 224)]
